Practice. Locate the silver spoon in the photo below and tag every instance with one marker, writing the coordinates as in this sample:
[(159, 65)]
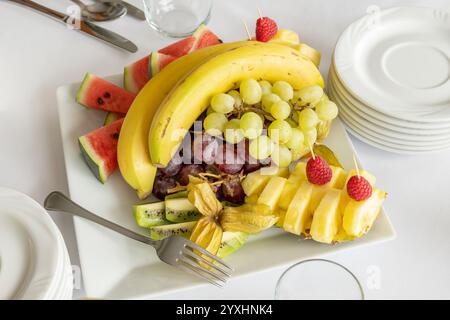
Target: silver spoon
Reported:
[(101, 11)]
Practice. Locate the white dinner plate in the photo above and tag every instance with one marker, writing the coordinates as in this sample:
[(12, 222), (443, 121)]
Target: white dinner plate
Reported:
[(382, 120), (397, 61), (382, 133), (30, 256), (116, 267)]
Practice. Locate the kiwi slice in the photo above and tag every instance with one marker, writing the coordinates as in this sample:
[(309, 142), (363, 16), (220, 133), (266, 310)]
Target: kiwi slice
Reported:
[(180, 229), (150, 214), (181, 210)]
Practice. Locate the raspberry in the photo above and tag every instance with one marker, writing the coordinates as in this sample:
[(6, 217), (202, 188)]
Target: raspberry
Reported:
[(266, 29), (318, 171), (358, 188)]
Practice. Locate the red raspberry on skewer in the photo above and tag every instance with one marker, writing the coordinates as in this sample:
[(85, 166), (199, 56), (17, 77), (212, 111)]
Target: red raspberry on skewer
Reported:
[(358, 188), (266, 29), (318, 171)]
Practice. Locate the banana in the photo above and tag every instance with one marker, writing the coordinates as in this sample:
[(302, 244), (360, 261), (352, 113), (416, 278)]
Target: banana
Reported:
[(192, 95), (133, 155)]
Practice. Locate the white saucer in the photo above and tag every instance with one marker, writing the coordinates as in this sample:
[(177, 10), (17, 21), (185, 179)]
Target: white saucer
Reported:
[(408, 139), (380, 58), (399, 121), (29, 252)]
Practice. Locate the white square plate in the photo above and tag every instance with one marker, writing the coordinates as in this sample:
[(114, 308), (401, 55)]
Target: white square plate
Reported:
[(121, 268)]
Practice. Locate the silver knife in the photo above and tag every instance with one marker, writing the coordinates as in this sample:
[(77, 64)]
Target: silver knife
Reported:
[(134, 11), (84, 26)]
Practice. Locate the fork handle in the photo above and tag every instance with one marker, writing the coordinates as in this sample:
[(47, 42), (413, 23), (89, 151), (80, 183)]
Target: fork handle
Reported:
[(56, 201)]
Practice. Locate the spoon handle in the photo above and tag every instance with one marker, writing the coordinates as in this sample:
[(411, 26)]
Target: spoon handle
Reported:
[(36, 6)]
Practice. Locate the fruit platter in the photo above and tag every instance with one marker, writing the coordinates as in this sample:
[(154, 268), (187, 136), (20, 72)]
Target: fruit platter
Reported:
[(234, 145)]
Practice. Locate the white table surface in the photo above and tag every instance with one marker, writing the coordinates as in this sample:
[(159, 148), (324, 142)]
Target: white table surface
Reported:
[(37, 55)]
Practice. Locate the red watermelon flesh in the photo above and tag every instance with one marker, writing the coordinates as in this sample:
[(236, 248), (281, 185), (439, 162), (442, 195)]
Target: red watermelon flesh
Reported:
[(139, 73), (99, 150), (98, 93), (179, 48), (157, 62), (136, 75)]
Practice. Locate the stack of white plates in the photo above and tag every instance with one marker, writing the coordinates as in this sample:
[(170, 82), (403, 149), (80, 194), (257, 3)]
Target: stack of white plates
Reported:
[(34, 263), (390, 77)]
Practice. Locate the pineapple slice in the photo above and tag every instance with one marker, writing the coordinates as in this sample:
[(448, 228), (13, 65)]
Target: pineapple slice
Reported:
[(281, 214), (251, 199), (298, 214), (359, 216), (272, 192), (327, 220), (255, 181), (289, 191), (300, 170), (337, 181)]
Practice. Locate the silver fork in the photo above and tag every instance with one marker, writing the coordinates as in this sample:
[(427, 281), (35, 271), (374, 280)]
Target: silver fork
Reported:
[(176, 251)]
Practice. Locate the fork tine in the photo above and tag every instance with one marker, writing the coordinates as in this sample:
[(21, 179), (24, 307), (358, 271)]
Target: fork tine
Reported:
[(199, 257), (186, 268), (199, 267), (195, 246)]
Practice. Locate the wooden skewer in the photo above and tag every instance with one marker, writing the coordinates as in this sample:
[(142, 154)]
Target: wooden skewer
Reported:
[(312, 151), (259, 13), (356, 166), (246, 29)]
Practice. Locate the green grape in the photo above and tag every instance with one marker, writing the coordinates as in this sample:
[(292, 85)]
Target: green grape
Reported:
[(310, 136), (261, 147), (268, 100), (280, 131), (310, 95), (237, 98), (281, 156), (209, 110), (280, 110), (251, 124), (283, 89), (307, 118), (223, 103), (250, 91), (214, 123), (266, 87), (326, 110), (233, 133), (295, 97), (296, 140)]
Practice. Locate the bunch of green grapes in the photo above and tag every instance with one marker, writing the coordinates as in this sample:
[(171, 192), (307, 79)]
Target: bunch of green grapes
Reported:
[(294, 117)]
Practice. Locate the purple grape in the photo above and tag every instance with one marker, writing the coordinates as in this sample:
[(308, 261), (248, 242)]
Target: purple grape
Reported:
[(173, 167), (187, 170), (249, 167), (205, 148), (232, 190), (162, 185), (228, 160)]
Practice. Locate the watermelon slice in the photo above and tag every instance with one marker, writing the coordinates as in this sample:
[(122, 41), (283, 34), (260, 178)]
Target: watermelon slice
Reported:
[(157, 62), (137, 74), (99, 150), (98, 93), (111, 117)]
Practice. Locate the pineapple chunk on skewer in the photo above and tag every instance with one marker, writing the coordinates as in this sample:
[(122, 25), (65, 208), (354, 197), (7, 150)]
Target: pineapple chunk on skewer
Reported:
[(255, 181), (272, 192), (289, 191), (298, 214), (359, 216), (328, 217)]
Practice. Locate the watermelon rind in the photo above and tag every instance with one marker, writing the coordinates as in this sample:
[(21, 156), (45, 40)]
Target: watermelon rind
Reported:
[(128, 82), (111, 117), (83, 88), (95, 163)]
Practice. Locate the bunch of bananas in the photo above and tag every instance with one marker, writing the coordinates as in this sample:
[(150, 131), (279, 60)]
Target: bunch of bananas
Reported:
[(172, 100)]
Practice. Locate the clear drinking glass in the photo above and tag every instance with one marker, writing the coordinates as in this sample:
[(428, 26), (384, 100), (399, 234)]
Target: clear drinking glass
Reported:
[(177, 18), (318, 279)]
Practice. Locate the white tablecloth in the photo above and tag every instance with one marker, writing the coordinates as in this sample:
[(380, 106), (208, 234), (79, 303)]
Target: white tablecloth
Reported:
[(37, 55)]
